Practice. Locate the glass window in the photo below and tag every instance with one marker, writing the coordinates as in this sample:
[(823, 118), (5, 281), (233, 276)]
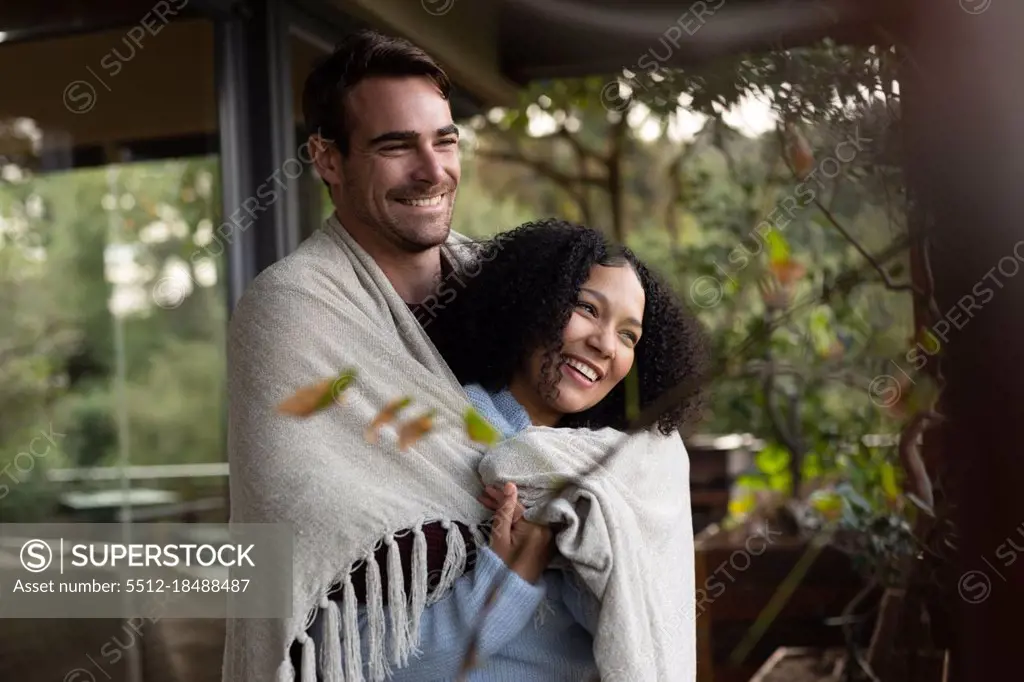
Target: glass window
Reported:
[(112, 280)]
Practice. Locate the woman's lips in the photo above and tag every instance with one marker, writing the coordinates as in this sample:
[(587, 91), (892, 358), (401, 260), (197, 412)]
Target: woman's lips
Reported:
[(577, 377)]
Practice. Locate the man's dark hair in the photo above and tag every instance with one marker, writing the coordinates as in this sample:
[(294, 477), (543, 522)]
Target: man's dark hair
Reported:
[(521, 299), (364, 54)]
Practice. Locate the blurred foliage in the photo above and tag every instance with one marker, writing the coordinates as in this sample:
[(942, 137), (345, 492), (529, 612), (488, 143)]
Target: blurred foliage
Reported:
[(89, 346)]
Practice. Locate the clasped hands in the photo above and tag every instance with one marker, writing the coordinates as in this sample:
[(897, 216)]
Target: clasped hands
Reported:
[(525, 547)]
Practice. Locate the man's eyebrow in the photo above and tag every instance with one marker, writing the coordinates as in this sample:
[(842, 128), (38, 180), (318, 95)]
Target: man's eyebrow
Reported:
[(395, 136), (406, 135), (604, 300)]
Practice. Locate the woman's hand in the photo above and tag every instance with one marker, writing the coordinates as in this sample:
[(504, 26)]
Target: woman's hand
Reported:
[(511, 535), (492, 498)]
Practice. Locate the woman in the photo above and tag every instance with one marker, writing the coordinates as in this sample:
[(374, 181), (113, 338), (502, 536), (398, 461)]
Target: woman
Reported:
[(544, 335), (556, 298)]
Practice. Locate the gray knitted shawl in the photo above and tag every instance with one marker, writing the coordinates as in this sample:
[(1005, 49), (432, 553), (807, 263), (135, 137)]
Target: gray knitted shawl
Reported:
[(328, 307)]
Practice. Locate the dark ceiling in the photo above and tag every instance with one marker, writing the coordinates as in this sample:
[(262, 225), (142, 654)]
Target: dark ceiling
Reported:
[(548, 38)]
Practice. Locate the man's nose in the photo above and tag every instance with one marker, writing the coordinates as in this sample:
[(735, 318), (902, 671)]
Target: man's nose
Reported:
[(430, 170)]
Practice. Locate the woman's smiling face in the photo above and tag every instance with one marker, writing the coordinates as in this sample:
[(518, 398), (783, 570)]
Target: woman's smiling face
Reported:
[(598, 346)]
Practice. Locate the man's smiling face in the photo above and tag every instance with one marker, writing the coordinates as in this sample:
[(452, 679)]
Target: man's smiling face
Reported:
[(399, 179)]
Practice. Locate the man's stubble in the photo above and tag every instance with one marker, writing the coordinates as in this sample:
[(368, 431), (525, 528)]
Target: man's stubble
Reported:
[(410, 239)]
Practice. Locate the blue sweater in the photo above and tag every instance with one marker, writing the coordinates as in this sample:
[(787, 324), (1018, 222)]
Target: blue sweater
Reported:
[(539, 632)]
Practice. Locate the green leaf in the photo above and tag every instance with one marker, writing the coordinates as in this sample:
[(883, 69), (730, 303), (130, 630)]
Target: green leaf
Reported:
[(889, 485), (309, 400), (742, 505), (751, 482), (812, 467), (778, 248), (854, 500), (341, 383), (924, 392), (820, 329), (479, 429), (928, 341), (827, 503), (773, 459), (781, 482)]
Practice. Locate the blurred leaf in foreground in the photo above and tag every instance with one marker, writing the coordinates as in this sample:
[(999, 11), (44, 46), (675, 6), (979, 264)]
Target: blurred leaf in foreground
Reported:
[(479, 429), (385, 416), (309, 400), (828, 503), (414, 429)]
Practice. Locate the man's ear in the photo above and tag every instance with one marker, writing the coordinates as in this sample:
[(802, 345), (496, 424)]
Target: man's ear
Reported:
[(326, 158)]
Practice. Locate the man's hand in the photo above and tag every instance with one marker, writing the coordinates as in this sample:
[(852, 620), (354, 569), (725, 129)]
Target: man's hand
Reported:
[(511, 534)]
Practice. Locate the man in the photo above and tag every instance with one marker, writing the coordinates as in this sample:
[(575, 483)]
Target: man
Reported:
[(386, 146), (388, 151)]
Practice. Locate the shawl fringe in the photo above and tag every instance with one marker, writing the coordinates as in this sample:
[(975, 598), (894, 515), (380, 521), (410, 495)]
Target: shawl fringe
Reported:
[(392, 633)]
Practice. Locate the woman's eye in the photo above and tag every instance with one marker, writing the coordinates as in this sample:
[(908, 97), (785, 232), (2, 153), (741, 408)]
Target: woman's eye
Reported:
[(631, 337), (587, 306)]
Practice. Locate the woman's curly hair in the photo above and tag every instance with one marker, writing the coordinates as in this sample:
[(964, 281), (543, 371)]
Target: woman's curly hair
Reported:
[(518, 297)]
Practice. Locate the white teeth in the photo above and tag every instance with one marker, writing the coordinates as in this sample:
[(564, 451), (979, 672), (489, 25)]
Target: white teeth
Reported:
[(584, 369), (432, 201)]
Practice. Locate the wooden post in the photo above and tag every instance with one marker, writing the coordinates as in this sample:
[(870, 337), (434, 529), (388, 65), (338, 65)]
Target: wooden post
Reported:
[(705, 659), (967, 161)]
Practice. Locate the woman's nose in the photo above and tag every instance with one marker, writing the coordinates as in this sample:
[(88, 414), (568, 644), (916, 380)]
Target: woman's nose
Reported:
[(603, 341)]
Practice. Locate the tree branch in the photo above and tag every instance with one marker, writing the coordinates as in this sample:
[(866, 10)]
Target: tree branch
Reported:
[(581, 149), (718, 130), (883, 273), (886, 278), (675, 182), (543, 168), (616, 151), (574, 186), (843, 283), (582, 156), (910, 456)]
